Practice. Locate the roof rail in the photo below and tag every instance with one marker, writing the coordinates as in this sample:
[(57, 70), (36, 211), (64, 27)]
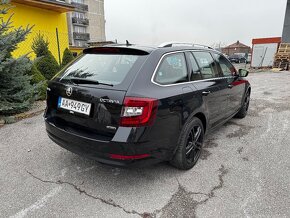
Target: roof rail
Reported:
[(174, 44)]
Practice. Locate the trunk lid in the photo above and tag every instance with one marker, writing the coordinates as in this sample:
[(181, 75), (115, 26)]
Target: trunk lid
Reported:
[(95, 81), (104, 116)]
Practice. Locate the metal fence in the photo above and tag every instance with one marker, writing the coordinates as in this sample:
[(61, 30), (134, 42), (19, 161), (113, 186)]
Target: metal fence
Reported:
[(58, 42)]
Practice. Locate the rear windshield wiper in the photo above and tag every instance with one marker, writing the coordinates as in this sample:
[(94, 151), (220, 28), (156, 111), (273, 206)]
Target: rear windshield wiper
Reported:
[(85, 81)]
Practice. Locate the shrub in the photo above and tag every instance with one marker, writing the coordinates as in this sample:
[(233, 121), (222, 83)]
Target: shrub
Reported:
[(40, 89), (37, 77), (39, 82), (45, 62), (47, 65), (67, 57)]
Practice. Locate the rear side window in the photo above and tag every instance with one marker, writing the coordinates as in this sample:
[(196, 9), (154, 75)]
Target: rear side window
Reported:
[(172, 70), (226, 67), (104, 68), (195, 72), (206, 64)]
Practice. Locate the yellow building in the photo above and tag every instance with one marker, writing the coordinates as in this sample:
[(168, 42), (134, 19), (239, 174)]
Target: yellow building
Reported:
[(48, 18)]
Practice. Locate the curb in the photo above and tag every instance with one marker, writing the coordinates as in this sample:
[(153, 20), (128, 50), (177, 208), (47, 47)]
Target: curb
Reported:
[(28, 114), (18, 117), (2, 122)]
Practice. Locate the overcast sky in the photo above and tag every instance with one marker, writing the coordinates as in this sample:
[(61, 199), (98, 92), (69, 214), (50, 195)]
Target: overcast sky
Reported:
[(152, 22)]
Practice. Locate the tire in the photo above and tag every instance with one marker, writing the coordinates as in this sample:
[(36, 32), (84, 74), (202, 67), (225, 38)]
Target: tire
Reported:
[(187, 154), (245, 106)]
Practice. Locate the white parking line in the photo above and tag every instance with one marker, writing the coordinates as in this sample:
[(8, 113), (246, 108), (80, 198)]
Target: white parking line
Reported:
[(38, 204)]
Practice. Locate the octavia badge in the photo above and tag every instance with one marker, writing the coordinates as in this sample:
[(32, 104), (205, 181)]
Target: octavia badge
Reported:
[(69, 91)]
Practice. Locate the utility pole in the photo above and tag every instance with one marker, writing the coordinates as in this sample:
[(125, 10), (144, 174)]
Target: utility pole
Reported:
[(286, 28)]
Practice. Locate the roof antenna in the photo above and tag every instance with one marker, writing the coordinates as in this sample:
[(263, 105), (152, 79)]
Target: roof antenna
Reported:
[(127, 43)]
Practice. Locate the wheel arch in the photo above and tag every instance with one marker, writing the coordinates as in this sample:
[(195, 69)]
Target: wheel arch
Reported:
[(197, 114), (249, 89), (203, 119)]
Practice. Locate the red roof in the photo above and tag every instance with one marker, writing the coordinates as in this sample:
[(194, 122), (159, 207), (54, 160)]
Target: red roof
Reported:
[(238, 44), (267, 40)]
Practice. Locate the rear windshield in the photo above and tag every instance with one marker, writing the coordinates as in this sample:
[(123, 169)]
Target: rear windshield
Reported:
[(102, 68)]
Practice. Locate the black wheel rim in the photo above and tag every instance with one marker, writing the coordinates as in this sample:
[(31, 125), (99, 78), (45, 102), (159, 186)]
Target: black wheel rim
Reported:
[(194, 144)]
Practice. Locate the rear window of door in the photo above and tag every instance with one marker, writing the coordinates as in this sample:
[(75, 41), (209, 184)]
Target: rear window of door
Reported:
[(206, 64), (195, 71), (172, 70), (227, 68)]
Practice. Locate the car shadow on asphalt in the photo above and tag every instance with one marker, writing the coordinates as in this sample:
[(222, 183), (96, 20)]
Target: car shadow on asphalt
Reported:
[(82, 167)]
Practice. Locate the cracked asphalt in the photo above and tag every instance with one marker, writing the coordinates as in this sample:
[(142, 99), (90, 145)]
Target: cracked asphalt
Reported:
[(244, 170)]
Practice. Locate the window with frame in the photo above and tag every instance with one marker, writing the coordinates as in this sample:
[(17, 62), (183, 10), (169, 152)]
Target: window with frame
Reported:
[(80, 43), (79, 15), (79, 29), (226, 67), (79, 1), (172, 70), (195, 72), (206, 64)]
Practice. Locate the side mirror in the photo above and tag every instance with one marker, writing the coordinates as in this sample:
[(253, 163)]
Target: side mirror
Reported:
[(243, 73)]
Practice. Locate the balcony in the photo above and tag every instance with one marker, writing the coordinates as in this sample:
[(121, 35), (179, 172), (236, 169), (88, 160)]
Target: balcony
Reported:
[(81, 36), (81, 21), (80, 7)]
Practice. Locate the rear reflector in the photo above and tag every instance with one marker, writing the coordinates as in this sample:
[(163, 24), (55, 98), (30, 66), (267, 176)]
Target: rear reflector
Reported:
[(131, 157), (138, 112)]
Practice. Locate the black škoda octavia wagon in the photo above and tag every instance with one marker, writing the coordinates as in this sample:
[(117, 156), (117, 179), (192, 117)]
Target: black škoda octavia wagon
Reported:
[(131, 105)]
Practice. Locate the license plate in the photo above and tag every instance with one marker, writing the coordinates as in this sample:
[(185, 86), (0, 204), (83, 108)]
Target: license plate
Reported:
[(76, 106)]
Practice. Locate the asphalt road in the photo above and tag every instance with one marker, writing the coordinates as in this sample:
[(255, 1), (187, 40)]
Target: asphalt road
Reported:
[(244, 171)]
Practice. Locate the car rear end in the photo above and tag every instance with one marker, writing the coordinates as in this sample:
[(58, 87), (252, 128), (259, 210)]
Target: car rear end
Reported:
[(234, 58), (89, 113)]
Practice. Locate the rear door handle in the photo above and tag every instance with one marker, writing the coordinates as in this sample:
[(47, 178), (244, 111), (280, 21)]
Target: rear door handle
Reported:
[(206, 93), (230, 86)]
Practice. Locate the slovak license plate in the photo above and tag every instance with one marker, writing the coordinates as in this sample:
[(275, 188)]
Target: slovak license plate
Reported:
[(72, 105)]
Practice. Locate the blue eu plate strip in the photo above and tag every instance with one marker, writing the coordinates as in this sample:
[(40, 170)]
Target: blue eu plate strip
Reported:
[(59, 102)]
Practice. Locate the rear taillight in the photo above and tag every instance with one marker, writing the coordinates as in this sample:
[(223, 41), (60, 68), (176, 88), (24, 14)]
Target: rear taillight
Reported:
[(138, 111)]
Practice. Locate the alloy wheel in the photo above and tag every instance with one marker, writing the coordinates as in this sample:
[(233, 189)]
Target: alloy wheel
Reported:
[(194, 144)]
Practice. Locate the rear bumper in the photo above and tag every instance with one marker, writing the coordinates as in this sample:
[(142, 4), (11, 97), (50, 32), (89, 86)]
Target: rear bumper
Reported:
[(102, 150)]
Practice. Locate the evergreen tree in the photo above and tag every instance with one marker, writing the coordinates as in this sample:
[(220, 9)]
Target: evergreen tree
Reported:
[(45, 61), (40, 46), (15, 89), (39, 83), (67, 57), (37, 77), (47, 65)]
